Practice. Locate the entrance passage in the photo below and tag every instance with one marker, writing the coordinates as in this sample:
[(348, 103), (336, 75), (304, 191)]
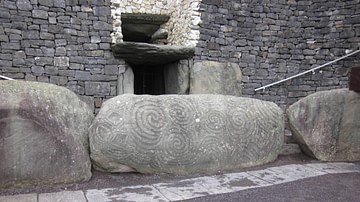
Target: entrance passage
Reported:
[(149, 79)]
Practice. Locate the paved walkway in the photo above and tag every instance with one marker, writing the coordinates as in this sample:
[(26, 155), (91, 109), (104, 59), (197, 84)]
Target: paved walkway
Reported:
[(195, 187)]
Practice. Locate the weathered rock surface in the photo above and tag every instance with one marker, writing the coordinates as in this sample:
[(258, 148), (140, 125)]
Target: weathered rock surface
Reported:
[(326, 125), (43, 135), (126, 82), (183, 134), (176, 76), (144, 53), (210, 77)]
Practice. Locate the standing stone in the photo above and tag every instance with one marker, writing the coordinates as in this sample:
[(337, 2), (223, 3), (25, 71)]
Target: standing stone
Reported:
[(177, 77), (326, 125), (126, 82), (209, 77), (182, 134), (43, 135)]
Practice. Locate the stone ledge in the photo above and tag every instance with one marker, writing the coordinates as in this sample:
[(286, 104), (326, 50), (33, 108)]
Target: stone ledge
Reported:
[(144, 53)]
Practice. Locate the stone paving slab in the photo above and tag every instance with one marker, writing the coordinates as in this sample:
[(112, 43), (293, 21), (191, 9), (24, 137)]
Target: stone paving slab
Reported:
[(195, 187), (132, 193), (19, 198), (64, 196)]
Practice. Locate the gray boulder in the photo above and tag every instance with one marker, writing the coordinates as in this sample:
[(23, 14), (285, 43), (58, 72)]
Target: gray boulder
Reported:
[(182, 134), (326, 125), (210, 77), (43, 135)]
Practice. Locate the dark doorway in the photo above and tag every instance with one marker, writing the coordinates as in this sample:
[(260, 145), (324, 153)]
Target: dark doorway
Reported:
[(149, 80)]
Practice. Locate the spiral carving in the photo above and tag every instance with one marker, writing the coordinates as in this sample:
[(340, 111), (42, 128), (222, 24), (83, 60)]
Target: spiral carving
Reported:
[(213, 149), (149, 121), (181, 111), (241, 123), (215, 121), (176, 134), (177, 148)]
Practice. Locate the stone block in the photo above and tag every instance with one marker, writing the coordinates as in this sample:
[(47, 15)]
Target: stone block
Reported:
[(37, 69), (47, 3), (51, 70), (50, 143), (40, 14), (82, 75), (183, 134), (69, 73), (59, 3), (97, 88), (41, 61), (100, 25), (61, 61), (58, 80), (24, 5), (60, 51), (5, 14), (209, 77), (112, 69), (76, 66)]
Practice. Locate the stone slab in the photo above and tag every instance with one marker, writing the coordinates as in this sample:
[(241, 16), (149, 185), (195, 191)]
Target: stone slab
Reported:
[(19, 198), (65, 196), (144, 53)]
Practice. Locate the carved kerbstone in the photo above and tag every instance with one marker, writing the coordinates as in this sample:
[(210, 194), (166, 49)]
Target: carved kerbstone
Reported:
[(43, 135), (183, 134)]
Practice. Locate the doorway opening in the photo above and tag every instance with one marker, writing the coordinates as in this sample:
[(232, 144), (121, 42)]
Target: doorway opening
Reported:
[(149, 79)]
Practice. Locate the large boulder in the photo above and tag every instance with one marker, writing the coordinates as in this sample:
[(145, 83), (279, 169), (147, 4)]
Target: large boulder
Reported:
[(326, 125), (43, 135), (182, 134), (210, 77)]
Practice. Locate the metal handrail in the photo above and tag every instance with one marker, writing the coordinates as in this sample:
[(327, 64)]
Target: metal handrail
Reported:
[(5, 77), (308, 71)]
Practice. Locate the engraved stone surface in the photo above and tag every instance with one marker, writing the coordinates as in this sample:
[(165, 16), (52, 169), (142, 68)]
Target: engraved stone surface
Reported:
[(326, 125), (183, 134), (210, 77), (43, 135)]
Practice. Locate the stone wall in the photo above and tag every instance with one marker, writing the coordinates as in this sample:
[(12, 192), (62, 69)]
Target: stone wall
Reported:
[(182, 26), (275, 39), (68, 42), (65, 42)]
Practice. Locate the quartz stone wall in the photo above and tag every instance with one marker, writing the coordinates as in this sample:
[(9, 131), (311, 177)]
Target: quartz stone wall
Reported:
[(184, 18)]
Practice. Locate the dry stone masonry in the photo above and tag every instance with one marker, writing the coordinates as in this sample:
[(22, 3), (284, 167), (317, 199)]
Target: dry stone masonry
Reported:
[(64, 42), (182, 134), (274, 39), (68, 42), (43, 135)]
